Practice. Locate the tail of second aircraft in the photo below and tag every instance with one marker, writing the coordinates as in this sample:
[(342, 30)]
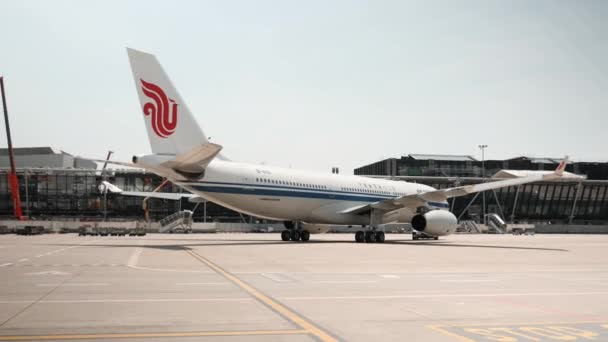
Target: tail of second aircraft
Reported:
[(171, 127)]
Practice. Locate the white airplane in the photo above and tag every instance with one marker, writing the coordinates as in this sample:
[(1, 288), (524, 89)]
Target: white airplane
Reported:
[(307, 202)]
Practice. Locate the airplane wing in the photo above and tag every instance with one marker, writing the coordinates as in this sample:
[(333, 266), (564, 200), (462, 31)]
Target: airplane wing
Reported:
[(422, 198)]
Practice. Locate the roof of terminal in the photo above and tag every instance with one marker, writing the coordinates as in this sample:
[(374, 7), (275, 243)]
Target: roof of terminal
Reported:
[(442, 157), (29, 151)]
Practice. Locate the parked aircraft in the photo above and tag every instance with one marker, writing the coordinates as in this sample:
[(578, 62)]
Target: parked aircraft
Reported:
[(307, 202)]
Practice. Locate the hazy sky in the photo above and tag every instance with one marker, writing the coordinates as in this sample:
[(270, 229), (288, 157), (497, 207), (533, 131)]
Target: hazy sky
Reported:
[(316, 84)]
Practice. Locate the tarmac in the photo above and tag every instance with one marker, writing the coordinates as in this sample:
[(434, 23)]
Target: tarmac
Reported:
[(254, 287)]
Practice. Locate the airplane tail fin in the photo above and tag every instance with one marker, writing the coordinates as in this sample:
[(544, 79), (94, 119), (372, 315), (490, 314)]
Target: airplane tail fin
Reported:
[(562, 166), (171, 127)]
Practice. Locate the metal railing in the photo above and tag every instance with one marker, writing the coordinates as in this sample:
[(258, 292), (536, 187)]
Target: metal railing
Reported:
[(182, 219)]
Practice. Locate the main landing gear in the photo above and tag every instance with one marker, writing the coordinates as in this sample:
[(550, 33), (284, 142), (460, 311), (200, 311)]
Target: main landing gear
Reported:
[(369, 236), (294, 232), (295, 235)]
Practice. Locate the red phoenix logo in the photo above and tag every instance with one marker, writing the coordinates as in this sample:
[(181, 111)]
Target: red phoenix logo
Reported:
[(162, 115)]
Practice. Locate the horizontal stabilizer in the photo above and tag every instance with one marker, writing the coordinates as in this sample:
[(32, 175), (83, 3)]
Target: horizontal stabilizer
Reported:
[(195, 160)]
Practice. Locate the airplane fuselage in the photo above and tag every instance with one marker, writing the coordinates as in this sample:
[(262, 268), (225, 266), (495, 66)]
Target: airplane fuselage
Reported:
[(292, 195)]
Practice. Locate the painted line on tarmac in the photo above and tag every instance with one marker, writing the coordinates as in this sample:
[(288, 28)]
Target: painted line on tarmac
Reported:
[(440, 295), (7, 264), (449, 333), (134, 259), (152, 300), (278, 277), (267, 301), (169, 270), (57, 284), (150, 335), (528, 331), (22, 260), (224, 283), (460, 325), (344, 281), (467, 280)]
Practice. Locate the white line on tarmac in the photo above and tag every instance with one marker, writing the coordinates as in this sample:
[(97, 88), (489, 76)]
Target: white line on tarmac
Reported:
[(134, 259), (7, 264), (22, 260), (72, 284), (439, 295), (161, 300), (168, 270), (168, 300), (224, 283), (467, 280), (345, 281), (390, 276), (135, 256)]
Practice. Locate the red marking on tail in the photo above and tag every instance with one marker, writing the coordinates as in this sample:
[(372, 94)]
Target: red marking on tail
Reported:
[(163, 116)]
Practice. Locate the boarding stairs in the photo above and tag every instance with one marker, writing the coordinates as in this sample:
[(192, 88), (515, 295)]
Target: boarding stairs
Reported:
[(496, 225), (181, 219), (468, 226)]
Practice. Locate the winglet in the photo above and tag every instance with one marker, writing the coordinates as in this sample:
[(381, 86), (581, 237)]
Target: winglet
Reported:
[(562, 166)]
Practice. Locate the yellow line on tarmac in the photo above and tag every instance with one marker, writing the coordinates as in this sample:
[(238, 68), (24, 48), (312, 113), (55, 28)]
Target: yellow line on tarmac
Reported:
[(449, 333), (295, 318), (149, 335)]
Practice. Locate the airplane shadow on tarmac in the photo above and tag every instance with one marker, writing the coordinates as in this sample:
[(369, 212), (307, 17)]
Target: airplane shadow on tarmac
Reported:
[(244, 242)]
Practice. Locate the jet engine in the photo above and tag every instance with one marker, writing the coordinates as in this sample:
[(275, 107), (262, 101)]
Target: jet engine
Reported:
[(435, 223)]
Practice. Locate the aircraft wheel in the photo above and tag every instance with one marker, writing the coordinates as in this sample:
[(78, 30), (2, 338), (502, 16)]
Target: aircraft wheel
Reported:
[(380, 237), (305, 235), (285, 235), (370, 237), (295, 235), (360, 236)]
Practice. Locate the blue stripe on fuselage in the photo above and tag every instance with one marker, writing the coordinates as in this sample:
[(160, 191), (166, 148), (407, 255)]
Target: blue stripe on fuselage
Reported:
[(280, 191), (286, 193)]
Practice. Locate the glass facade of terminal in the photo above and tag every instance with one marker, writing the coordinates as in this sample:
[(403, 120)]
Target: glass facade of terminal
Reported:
[(75, 193)]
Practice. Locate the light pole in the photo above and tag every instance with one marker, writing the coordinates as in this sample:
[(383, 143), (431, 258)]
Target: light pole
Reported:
[(483, 180)]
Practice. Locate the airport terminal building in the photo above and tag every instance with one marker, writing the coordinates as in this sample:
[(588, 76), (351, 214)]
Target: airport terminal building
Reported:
[(55, 184)]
